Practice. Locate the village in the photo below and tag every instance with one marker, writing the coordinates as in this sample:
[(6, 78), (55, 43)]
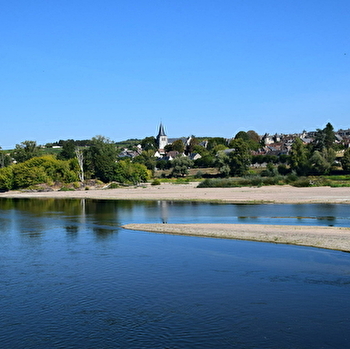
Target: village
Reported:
[(271, 145)]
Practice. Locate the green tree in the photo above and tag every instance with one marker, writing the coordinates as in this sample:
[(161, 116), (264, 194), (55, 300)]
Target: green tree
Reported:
[(222, 163), (239, 158), (128, 172), (68, 150), (242, 135), (149, 143), (6, 178), (146, 158), (321, 161), (44, 169), (214, 141), (100, 159), (218, 148), (178, 145), (253, 136), (329, 135), (25, 151), (299, 158), (345, 161), (324, 138), (5, 159), (181, 166), (190, 146)]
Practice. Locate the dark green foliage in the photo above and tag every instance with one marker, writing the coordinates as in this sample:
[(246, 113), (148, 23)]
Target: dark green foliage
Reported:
[(199, 174), (324, 138), (270, 171), (163, 164), (299, 158), (156, 182), (178, 145), (68, 150), (213, 142), (5, 159), (239, 159), (6, 178), (38, 170), (149, 143), (181, 166), (113, 186), (100, 159), (146, 158), (302, 182), (253, 181), (242, 135), (345, 161), (282, 169), (190, 147), (130, 173), (205, 161), (25, 151), (251, 138)]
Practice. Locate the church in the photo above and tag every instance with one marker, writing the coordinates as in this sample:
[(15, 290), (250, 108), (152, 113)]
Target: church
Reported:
[(162, 139)]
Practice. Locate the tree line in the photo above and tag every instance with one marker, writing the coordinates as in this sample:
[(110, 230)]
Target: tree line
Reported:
[(98, 158), (97, 161)]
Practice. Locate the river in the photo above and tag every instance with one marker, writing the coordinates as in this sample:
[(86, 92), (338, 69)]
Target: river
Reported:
[(71, 277)]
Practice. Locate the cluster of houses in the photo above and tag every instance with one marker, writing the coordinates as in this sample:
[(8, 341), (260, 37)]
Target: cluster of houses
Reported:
[(277, 144)]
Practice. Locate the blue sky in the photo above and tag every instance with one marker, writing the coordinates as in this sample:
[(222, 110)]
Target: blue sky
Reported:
[(77, 69)]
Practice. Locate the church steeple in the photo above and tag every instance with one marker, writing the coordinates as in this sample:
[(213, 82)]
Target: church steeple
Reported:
[(162, 138)]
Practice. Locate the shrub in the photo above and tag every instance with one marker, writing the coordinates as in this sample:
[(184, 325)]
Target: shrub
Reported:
[(113, 186), (6, 178), (64, 188), (156, 182), (302, 182), (199, 174)]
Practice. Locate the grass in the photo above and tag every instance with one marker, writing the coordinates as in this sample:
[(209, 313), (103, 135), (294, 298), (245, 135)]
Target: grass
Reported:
[(257, 181)]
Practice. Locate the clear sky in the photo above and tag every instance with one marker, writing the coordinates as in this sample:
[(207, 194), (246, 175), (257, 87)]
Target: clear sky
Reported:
[(117, 68)]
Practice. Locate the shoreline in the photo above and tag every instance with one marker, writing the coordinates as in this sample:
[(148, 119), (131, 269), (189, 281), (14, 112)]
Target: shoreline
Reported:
[(321, 237), (188, 192), (311, 236)]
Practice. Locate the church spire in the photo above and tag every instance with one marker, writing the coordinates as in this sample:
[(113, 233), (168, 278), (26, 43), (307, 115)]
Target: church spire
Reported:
[(161, 131), (162, 138)]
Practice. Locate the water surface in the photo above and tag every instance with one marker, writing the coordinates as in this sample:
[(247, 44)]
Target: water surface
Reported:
[(70, 277)]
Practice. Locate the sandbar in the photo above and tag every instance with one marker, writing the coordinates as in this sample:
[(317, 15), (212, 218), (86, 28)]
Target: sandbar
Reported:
[(335, 238)]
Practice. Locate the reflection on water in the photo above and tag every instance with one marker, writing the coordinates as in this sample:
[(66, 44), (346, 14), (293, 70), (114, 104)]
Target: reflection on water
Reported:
[(70, 277), (87, 213)]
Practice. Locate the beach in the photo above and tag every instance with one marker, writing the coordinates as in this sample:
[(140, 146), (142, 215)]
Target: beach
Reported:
[(189, 192), (323, 237)]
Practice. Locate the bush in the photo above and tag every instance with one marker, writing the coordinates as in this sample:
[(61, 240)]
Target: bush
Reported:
[(302, 182), (113, 186), (64, 188), (156, 182), (199, 174)]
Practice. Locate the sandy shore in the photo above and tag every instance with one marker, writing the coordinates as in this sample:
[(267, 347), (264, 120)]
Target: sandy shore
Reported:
[(325, 237), (322, 237), (189, 192)]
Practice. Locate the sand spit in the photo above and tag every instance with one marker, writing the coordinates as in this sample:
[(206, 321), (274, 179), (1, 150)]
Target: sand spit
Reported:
[(314, 236), (188, 192)]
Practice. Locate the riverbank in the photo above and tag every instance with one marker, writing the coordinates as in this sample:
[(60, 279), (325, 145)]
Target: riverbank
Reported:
[(314, 236), (189, 192), (323, 237)]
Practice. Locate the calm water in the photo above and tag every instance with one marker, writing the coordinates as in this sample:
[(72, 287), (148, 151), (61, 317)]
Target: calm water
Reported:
[(70, 277)]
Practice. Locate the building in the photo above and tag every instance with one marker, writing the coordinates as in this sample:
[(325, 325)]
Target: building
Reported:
[(162, 138)]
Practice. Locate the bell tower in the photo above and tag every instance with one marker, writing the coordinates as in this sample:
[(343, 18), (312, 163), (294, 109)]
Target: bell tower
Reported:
[(162, 138)]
